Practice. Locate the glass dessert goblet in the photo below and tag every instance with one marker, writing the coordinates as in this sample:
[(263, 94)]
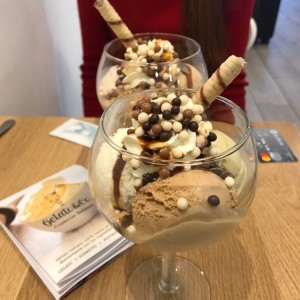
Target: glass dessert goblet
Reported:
[(157, 60), (174, 177)]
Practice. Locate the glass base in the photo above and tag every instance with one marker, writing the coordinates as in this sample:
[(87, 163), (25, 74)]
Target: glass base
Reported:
[(143, 282)]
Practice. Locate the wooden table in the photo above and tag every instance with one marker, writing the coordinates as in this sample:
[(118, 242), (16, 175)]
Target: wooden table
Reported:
[(259, 260)]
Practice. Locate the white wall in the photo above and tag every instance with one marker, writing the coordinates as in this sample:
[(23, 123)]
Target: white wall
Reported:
[(62, 17), (40, 54)]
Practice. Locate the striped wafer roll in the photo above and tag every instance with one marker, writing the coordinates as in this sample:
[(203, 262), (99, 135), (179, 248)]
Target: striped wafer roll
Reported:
[(219, 80), (115, 22)]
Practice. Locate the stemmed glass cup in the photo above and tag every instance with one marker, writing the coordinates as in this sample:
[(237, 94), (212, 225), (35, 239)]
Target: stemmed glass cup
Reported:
[(197, 203), (118, 76)]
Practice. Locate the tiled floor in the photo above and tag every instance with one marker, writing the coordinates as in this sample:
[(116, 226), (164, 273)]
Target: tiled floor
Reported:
[(273, 70)]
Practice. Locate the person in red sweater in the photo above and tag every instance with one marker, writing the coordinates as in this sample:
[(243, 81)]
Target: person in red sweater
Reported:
[(221, 27)]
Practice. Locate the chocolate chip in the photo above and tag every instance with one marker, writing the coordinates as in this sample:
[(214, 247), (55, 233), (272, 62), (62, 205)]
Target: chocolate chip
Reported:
[(194, 126), (213, 200)]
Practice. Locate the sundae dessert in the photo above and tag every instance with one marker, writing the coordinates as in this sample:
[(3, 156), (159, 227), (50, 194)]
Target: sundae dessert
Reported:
[(163, 177), (144, 61)]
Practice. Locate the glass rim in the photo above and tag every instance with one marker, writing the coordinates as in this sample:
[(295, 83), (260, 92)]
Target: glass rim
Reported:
[(177, 162), (120, 60)]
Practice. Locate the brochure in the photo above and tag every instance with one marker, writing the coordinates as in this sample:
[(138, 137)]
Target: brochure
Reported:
[(56, 226)]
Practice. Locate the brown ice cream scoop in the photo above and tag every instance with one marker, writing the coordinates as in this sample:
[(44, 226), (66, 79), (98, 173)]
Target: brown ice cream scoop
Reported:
[(115, 22), (219, 80), (181, 198)]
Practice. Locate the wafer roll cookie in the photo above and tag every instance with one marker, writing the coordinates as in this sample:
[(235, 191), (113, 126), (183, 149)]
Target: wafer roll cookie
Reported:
[(115, 22), (219, 80)]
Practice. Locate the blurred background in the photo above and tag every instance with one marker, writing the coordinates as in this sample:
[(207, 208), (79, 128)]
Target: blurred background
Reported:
[(41, 53)]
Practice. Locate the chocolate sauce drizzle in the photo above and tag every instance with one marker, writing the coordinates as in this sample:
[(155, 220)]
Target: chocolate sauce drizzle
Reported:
[(116, 175)]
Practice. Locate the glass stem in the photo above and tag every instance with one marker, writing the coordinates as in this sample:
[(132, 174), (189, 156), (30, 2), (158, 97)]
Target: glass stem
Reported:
[(169, 280)]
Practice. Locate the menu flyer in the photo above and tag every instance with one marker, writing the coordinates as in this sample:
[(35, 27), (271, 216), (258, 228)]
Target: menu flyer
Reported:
[(56, 226)]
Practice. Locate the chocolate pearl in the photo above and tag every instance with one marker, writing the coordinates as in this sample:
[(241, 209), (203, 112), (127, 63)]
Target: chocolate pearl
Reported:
[(136, 106), (164, 153), (213, 200), (220, 172), (156, 58), (212, 137), (204, 117), (145, 69), (175, 54), (135, 114), (175, 110), (194, 126), (163, 102), (154, 118), (167, 115), (145, 153), (135, 48), (186, 122), (143, 85), (146, 107), (156, 129), (157, 48), (149, 60), (113, 94), (146, 126), (146, 99), (150, 177), (176, 101), (130, 131), (164, 172), (120, 72), (126, 220), (188, 113), (118, 82), (165, 136), (155, 108)]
